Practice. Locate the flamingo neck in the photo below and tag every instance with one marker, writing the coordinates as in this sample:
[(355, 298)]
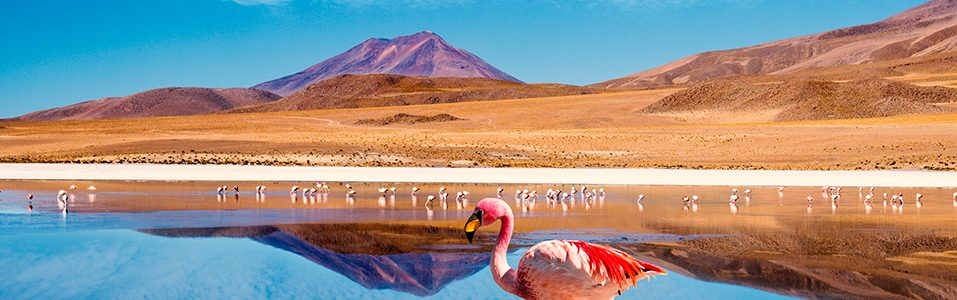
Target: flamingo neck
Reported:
[(503, 274)]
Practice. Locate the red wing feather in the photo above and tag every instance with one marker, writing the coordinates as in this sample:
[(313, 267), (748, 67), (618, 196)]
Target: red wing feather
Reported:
[(615, 265)]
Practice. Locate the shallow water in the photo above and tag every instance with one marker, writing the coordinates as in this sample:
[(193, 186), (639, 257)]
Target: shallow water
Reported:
[(182, 240)]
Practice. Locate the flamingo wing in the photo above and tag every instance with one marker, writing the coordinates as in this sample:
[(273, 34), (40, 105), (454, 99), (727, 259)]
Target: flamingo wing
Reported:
[(560, 269)]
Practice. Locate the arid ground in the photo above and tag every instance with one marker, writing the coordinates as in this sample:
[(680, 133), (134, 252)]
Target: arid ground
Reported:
[(601, 130)]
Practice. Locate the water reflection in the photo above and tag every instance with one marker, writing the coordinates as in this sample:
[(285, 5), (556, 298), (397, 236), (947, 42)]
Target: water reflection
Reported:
[(780, 226), (375, 256)]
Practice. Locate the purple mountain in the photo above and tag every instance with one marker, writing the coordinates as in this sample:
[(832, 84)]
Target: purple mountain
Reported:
[(420, 54)]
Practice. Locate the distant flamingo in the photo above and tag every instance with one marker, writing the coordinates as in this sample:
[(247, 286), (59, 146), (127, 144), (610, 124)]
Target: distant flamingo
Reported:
[(641, 197), (62, 201), (556, 269), (414, 190), (500, 191), (72, 187), (30, 196), (91, 188), (294, 189)]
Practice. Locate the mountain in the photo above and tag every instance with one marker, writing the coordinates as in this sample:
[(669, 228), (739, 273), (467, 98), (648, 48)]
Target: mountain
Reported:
[(923, 30), (807, 99), (351, 91), (420, 54), (170, 101)]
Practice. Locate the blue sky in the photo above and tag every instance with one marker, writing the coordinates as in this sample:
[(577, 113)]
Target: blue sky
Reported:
[(61, 52)]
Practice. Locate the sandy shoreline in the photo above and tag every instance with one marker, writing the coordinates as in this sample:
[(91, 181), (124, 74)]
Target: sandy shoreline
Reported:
[(475, 175)]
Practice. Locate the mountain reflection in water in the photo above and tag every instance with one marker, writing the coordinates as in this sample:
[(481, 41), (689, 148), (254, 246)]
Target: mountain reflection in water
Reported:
[(374, 256)]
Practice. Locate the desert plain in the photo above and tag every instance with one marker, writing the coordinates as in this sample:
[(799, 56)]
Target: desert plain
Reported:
[(599, 130)]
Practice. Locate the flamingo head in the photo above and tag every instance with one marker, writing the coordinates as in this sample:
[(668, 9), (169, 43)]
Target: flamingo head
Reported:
[(487, 211)]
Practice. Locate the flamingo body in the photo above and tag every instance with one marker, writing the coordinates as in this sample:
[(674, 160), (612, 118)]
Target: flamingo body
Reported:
[(560, 269), (557, 269)]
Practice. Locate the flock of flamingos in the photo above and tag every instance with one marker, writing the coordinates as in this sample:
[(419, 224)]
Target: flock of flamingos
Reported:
[(528, 200), (555, 269)]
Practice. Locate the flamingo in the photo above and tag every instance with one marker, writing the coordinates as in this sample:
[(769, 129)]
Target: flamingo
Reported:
[(62, 200), (428, 200), (294, 189), (392, 190), (348, 186), (30, 196), (72, 187), (414, 190), (556, 269), (383, 190), (641, 197), (91, 188), (500, 191), (30, 206)]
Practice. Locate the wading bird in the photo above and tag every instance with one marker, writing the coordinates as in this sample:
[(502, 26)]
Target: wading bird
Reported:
[(414, 190), (641, 197), (91, 188), (557, 269), (62, 201), (294, 189)]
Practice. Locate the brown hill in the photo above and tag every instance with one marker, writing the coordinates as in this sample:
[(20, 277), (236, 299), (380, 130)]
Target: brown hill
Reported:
[(923, 30), (351, 91), (171, 101), (808, 99)]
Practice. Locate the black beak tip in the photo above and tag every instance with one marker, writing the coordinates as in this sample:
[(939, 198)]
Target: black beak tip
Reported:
[(469, 236)]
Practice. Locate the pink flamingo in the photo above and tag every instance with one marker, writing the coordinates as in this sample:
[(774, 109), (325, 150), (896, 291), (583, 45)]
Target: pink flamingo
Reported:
[(556, 269)]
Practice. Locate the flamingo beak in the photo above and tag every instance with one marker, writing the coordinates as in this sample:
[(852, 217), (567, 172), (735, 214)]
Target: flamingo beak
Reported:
[(474, 222)]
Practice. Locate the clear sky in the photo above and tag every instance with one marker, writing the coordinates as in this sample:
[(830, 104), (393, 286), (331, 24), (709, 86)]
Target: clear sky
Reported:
[(56, 53)]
